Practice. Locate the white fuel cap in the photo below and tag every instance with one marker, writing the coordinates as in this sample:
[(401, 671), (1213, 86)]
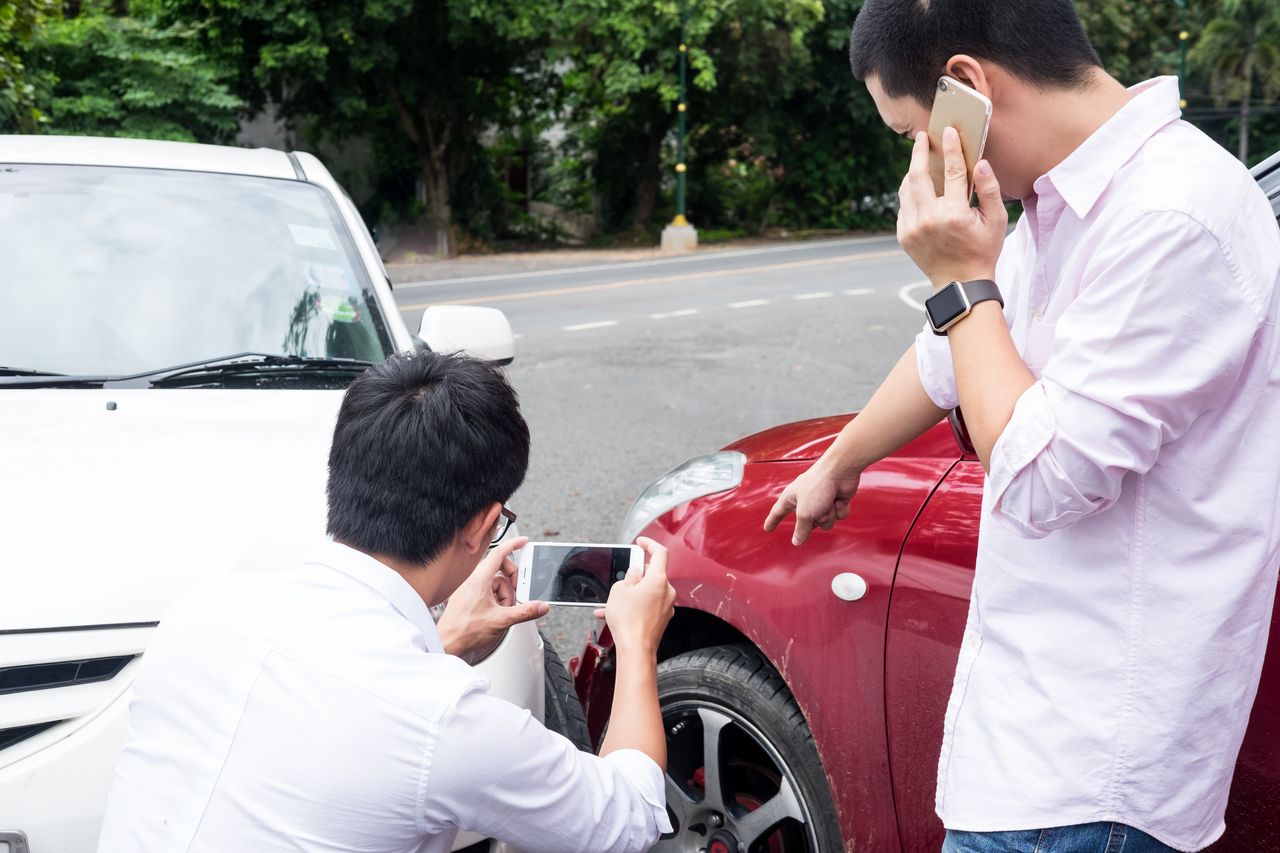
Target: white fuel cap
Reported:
[(848, 586)]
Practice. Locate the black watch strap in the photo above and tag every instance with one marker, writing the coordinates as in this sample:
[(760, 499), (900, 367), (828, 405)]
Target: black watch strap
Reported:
[(952, 307), (982, 290)]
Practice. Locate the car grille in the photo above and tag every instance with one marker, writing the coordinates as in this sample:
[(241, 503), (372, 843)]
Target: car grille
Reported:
[(15, 679)]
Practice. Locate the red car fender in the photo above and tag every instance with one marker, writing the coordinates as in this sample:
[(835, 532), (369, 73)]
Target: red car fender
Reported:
[(726, 571)]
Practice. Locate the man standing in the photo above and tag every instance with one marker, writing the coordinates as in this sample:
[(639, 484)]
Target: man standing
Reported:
[(1124, 406), (322, 709)]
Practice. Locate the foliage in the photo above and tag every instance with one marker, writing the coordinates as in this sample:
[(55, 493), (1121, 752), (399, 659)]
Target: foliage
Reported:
[(621, 85), (125, 76), (1136, 39), (426, 77), (1240, 50), (468, 109), (20, 21)]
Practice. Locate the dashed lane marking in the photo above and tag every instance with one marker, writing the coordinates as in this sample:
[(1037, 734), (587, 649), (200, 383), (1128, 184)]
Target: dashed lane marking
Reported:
[(749, 303), (599, 324), (859, 291), (805, 296), (683, 312)]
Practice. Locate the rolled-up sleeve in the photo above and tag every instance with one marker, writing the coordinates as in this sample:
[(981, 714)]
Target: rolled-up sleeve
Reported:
[(497, 771), (1157, 336), (937, 373)]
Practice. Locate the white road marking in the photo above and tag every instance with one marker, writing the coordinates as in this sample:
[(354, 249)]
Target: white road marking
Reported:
[(823, 295), (859, 291), (699, 256), (683, 312), (750, 303), (582, 327), (904, 293)]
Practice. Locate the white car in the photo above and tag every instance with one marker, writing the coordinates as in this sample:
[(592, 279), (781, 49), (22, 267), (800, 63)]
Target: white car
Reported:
[(177, 328)]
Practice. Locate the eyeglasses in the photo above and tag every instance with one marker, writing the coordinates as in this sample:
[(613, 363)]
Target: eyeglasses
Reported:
[(503, 524)]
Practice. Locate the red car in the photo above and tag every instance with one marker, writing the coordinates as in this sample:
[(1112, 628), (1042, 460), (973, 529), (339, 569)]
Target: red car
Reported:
[(803, 689)]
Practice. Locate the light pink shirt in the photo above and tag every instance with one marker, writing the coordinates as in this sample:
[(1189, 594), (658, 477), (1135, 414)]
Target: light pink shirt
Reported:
[(1130, 533)]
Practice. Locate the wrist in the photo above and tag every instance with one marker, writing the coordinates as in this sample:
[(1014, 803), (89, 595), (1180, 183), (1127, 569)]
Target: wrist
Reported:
[(978, 274), (844, 458), (636, 653)]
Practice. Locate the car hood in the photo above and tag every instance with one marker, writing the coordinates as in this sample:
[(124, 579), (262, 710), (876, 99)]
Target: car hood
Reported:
[(108, 512), (809, 439)]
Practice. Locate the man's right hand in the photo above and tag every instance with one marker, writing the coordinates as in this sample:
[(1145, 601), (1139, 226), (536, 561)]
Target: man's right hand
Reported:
[(819, 497), (641, 605)]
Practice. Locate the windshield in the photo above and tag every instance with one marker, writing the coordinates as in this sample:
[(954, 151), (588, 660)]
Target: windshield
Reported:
[(116, 271)]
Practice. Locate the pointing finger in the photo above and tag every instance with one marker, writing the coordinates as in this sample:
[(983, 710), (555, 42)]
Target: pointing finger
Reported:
[(784, 506)]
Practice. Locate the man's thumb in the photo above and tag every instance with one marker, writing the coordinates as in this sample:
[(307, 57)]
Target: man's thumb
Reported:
[(990, 200)]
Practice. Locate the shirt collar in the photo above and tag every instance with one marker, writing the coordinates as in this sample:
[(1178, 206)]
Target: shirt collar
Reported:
[(383, 580), (1085, 174)]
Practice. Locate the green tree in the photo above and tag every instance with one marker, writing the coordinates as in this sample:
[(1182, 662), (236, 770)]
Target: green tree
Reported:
[(1136, 39), (619, 63), (426, 76), (1240, 50), (124, 76), (20, 21)]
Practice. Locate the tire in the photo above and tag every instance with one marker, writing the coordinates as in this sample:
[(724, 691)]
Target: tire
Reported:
[(729, 701), (562, 710)]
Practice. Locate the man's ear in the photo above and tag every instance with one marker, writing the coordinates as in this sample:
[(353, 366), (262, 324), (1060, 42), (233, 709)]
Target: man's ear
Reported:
[(970, 72), (478, 533)]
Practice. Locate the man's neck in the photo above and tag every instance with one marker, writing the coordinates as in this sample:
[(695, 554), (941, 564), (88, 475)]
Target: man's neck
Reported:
[(426, 580), (1065, 118)]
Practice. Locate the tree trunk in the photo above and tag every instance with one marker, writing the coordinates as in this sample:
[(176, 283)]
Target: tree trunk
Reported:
[(651, 167), (431, 139), (438, 181), (1244, 107)]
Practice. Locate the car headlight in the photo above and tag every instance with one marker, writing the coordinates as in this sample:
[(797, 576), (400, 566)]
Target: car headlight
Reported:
[(700, 476)]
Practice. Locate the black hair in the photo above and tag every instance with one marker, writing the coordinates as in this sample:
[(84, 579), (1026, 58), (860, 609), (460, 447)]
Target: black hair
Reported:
[(906, 43), (424, 442)]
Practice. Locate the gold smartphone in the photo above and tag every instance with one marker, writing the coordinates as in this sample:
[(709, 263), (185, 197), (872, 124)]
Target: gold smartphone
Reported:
[(969, 112)]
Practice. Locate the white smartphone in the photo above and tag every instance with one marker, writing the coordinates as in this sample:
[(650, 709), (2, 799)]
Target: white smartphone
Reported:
[(573, 573), (969, 112)]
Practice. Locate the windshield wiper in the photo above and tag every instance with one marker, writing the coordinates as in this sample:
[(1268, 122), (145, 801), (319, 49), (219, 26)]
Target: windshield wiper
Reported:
[(239, 364), (23, 371), (206, 370)]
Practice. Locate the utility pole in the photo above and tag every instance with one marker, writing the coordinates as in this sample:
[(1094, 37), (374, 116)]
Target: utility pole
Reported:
[(1183, 36), (680, 236)]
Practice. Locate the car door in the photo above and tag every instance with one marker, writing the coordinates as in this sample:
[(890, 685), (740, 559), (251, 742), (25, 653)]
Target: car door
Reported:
[(925, 626)]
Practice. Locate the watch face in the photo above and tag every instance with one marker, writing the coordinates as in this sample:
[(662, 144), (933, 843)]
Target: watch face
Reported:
[(945, 305)]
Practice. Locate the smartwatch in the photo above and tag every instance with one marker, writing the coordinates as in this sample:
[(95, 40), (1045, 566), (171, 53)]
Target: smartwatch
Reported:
[(953, 303)]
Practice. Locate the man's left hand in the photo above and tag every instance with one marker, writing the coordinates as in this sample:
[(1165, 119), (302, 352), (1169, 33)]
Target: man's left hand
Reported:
[(484, 607), (948, 239)]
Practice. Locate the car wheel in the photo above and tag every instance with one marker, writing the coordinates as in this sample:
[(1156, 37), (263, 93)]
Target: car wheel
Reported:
[(743, 772), (562, 710)]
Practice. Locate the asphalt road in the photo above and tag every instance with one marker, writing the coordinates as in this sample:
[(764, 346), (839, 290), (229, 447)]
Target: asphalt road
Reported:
[(626, 369)]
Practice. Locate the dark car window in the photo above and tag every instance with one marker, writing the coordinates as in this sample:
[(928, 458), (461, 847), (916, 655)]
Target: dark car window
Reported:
[(115, 271)]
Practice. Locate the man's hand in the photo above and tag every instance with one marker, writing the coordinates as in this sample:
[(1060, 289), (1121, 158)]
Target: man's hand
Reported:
[(641, 605), (819, 497), (484, 607), (948, 239)]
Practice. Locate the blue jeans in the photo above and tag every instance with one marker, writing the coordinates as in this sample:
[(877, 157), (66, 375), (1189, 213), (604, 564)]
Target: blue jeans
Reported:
[(1082, 838)]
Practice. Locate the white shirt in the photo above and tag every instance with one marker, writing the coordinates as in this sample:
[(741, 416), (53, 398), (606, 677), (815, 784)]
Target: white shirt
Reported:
[(1130, 531), (314, 709)]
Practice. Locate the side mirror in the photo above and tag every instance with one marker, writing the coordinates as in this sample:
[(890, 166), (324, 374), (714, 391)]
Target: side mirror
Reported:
[(483, 333)]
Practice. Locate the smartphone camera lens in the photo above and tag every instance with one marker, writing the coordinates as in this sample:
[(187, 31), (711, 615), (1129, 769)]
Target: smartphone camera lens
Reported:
[(942, 84)]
